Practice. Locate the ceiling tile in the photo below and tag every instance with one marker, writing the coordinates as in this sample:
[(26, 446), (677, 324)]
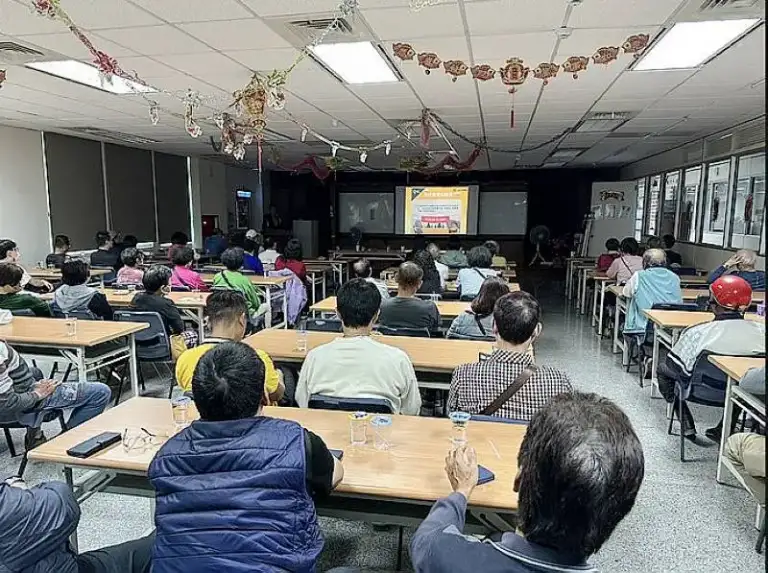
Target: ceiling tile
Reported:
[(154, 40), (99, 14), (609, 13), (201, 65), (20, 20), (532, 48), (68, 45), (404, 25), (194, 10), (506, 17), (265, 59), (245, 34)]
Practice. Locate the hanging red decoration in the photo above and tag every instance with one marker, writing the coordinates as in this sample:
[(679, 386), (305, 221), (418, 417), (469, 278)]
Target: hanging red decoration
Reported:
[(426, 130), (46, 7), (512, 118), (605, 55), (429, 60), (455, 68), (403, 51), (310, 162), (575, 64), (514, 74), (483, 72), (450, 162), (546, 71), (635, 44), (2, 77)]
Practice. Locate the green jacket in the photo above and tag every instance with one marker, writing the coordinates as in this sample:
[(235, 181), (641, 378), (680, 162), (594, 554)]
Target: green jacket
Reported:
[(237, 281), (21, 300)]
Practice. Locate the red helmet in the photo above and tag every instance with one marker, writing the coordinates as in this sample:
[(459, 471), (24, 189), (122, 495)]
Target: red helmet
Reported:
[(731, 292)]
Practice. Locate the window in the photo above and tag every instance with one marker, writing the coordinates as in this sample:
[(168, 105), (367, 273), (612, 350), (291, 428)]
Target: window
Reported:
[(669, 205), (653, 205), (715, 202), (640, 209), (686, 230), (748, 208)]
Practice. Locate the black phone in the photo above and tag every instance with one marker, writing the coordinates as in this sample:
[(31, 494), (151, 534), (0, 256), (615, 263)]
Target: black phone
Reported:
[(94, 445), (338, 454), (484, 475)]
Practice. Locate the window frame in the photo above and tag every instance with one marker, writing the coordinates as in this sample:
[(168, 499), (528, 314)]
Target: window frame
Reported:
[(697, 205), (704, 189), (675, 198), (647, 211), (737, 159), (638, 233)]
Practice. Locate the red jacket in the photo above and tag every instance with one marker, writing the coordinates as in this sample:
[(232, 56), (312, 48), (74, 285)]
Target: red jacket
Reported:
[(605, 260), (298, 267)]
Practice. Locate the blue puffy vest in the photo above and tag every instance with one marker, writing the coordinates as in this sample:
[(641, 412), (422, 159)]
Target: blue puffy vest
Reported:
[(232, 497)]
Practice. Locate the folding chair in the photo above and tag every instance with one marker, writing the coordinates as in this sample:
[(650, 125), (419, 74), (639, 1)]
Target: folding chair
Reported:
[(370, 405)]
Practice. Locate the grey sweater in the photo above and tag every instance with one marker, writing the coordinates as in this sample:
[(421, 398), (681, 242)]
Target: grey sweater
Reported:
[(469, 326), (754, 381), (16, 385)]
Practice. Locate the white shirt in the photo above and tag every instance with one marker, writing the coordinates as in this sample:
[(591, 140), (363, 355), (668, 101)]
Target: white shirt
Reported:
[(469, 281), (442, 270), (269, 256), (381, 285), (360, 367)]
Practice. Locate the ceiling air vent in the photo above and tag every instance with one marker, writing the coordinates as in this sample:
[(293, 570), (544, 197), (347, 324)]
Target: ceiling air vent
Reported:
[(304, 29), (320, 24), (16, 54), (600, 121), (710, 5), (116, 136)]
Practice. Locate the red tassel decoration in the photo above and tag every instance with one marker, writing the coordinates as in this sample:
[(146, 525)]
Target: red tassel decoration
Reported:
[(512, 119)]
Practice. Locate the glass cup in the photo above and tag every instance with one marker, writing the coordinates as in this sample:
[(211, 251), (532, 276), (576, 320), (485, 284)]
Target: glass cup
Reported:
[(382, 432), (358, 422), (180, 408), (459, 422), (71, 326), (301, 336)]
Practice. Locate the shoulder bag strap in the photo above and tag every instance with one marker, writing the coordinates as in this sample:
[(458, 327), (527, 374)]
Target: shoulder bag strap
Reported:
[(480, 273), (181, 280), (511, 390), (625, 264), (226, 280), (479, 324)]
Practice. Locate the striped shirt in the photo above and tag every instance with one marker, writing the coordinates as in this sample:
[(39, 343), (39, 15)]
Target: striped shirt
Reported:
[(16, 385)]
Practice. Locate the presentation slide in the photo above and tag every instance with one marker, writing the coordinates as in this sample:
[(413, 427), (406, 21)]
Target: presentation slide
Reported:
[(436, 210)]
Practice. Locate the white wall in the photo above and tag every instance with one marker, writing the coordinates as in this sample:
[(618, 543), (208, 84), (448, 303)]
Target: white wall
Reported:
[(604, 229), (23, 199)]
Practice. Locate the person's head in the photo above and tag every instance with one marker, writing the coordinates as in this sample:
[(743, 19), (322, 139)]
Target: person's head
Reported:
[(104, 240), (130, 241), (228, 383), (157, 279), (424, 260), (10, 277), (492, 289), (409, 276), (183, 256), (292, 251), (227, 313), (218, 232), (492, 246), (357, 304), (747, 259), (419, 243), (433, 250), (232, 258), (729, 293), (629, 246), (612, 245), (9, 250), (516, 319), (74, 273), (179, 238), (250, 246), (131, 257), (362, 268), (270, 243), (61, 244), (254, 235), (580, 467), (454, 244), (668, 241), (479, 257), (653, 242), (654, 258)]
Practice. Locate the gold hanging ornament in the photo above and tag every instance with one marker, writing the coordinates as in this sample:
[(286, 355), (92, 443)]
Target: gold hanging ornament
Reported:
[(575, 64)]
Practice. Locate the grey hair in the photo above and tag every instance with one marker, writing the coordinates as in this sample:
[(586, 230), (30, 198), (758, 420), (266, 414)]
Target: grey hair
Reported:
[(748, 259), (433, 250), (654, 258)]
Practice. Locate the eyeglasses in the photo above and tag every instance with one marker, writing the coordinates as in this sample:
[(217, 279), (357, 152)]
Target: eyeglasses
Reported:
[(139, 440)]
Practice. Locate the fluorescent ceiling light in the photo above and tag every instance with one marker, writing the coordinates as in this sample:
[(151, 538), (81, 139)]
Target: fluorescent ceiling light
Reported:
[(89, 75), (355, 62), (565, 154), (690, 44)]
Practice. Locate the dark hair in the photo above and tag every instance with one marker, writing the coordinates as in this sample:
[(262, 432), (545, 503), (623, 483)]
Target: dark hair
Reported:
[(225, 306), (292, 251), (250, 246), (516, 315), (492, 289), (668, 240), (182, 256), (454, 244), (357, 303), (362, 268), (102, 238), (74, 273), (612, 244), (11, 274), (419, 243), (431, 278), (5, 246), (270, 242), (131, 256), (492, 246), (629, 246), (228, 383), (216, 231), (232, 259), (479, 257), (130, 241), (409, 275), (61, 242), (179, 238), (653, 242), (156, 277), (580, 468)]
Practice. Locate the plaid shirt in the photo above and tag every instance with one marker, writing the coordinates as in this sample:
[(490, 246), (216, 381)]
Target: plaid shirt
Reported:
[(475, 386)]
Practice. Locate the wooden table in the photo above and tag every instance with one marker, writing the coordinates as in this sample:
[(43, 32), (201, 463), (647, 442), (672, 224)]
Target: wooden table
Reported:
[(570, 268), (31, 333), (450, 286), (313, 270), (394, 486), (583, 272), (54, 275), (447, 308), (691, 294), (340, 268), (265, 285), (597, 314)]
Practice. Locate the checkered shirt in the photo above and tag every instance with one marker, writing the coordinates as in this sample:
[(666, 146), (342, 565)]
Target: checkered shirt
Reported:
[(475, 386)]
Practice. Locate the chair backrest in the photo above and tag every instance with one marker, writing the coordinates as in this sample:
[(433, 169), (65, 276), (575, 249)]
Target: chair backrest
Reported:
[(708, 383), (680, 306), (324, 325), (370, 405), (108, 279), (466, 298), (22, 312), (152, 344), (180, 288), (413, 332), (482, 418), (684, 271), (78, 314), (433, 296)]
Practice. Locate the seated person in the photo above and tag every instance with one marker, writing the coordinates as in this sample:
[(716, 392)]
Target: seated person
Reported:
[(362, 270), (9, 253), (454, 256), (251, 261), (234, 490), (746, 451), (627, 263), (357, 365), (75, 296), (653, 242), (12, 296), (477, 322), (580, 467), (157, 284), (292, 259), (25, 400), (729, 334), (741, 264), (183, 275), (130, 273), (129, 242), (269, 255), (59, 255), (654, 284), (430, 281), (233, 279), (178, 239), (469, 280), (406, 310), (216, 243), (474, 387), (105, 256), (442, 269), (227, 314), (753, 382), (497, 261), (674, 259), (605, 260)]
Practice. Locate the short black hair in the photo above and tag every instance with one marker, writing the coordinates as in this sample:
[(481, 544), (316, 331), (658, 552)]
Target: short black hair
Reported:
[(629, 246), (225, 306), (228, 383), (362, 268), (580, 468), (492, 289), (179, 238), (357, 303), (131, 256), (74, 273), (182, 256), (612, 244), (516, 315), (479, 257), (251, 246), (292, 251), (156, 277), (409, 275), (492, 246), (61, 242), (232, 259), (102, 238), (5, 246), (653, 242), (10, 274), (270, 243), (130, 241), (668, 240)]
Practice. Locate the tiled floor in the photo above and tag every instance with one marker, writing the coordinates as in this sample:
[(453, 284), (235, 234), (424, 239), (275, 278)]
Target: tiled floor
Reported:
[(683, 522)]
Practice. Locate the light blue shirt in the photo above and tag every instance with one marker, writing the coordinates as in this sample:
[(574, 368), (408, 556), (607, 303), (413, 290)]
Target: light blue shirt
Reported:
[(469, 281)]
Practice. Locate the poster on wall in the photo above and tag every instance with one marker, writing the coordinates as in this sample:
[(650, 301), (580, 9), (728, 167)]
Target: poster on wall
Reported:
[(597, 212), (436, 210)]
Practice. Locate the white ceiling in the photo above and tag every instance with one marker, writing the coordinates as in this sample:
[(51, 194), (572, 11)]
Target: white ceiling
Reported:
[(213, 45)]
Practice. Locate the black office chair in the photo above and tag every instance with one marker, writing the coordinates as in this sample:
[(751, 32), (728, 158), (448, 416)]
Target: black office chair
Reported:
[(22, 312), (412, 332), (324, 325), (684, 271), (370, 405)]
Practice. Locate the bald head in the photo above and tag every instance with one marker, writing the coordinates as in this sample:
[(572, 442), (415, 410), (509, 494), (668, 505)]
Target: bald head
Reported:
[(654, 258), (362, 268)]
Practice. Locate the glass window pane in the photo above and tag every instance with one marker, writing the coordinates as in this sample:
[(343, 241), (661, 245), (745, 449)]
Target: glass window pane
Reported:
[(653, 205), (689, 202), (640, 209), (748, 203), (715, 200), (669, 205)]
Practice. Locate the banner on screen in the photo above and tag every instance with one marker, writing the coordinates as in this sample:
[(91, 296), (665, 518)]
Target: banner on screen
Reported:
[(436, 210)]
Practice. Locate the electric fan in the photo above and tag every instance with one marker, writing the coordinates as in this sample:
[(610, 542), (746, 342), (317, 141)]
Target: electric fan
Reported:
[(538, 236)]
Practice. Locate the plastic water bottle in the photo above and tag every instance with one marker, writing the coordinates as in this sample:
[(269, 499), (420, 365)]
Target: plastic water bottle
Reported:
[(301, 336)]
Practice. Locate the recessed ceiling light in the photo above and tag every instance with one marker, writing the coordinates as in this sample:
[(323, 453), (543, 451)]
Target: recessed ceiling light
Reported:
[(690, 44), (89, 75), (355, 62)]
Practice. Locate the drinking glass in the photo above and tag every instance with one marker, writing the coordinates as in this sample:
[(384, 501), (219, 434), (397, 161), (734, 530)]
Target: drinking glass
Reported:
[(382, 432), (180, 407), (459, 422), (71, 325), (358, 423), (301, 336)]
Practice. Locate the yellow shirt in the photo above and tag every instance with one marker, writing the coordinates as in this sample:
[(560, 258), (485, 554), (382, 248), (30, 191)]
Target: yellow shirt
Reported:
[(187, 362)]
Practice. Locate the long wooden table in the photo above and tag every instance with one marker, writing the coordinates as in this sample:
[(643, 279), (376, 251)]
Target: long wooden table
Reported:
[(54, 275), (265, 285), (447, 308), (395, 486), (450, 286), (30, 334)]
